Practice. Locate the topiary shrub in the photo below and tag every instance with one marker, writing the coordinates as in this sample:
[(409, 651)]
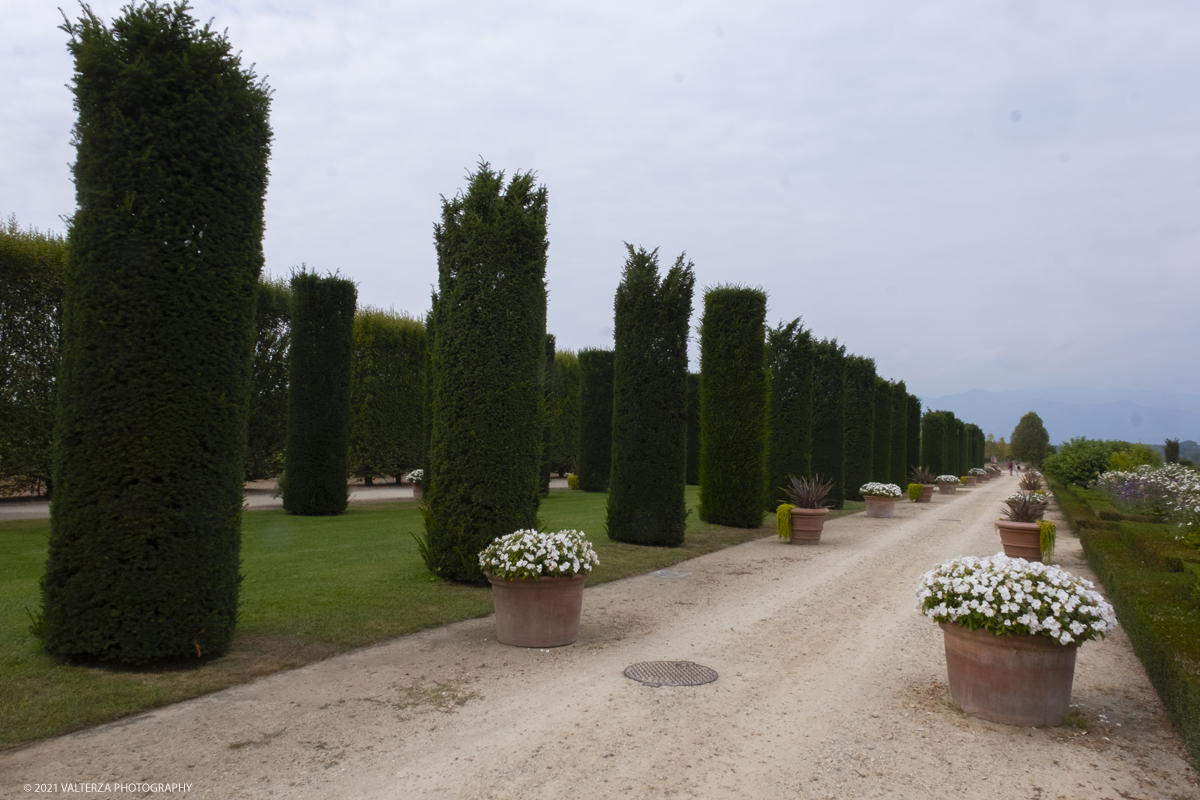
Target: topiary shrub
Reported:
[(489, 356), (317, 457), (912, 449), (881, 448), (732, 405), (595, 419), (646, 502), (565, 413), (860, 423), (165, 250), (547, 431), (898, 448), (789, 407), (693, 429), (266, 434), (914, 491)]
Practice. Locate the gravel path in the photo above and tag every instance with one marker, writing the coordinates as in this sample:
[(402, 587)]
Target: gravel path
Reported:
[(831, 686)]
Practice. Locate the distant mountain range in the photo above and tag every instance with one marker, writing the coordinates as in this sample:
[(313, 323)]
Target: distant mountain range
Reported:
[(1067, 412)]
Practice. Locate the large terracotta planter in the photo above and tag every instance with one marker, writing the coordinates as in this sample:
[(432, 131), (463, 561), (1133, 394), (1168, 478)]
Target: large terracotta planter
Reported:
[(880, 507), (1020, 539), (537, 613), (807, 524), (947, 488), (1014, 680), (927, 492), (971, 481)]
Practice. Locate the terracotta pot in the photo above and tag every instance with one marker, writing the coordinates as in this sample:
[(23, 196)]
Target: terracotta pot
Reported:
[(927, 492), (947, 488), (880, 507), (418, 491), (1014, 680), (537, 613), (1020, 539), (971, 481), (807, 524)]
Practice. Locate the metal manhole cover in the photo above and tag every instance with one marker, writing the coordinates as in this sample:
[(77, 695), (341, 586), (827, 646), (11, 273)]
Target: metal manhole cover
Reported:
[(670, 673)]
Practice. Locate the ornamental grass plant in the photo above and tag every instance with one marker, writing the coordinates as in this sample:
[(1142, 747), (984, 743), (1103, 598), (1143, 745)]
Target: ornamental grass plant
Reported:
[(808, 492), (1024, 507), (922, 475), (1013, 597)]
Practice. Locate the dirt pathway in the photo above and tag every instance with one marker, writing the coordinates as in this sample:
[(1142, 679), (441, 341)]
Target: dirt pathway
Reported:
[(831, 686)]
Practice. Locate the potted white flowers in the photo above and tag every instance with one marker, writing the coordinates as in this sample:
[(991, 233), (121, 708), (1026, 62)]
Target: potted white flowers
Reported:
[(417, 479), (1011, 630), (947, 484), (537, 585), (980, 473), (880, 498)]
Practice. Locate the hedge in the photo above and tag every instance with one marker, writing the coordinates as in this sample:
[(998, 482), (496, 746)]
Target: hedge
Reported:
[(881, 449), (595, 419), (913, 433), (266, 435), (649, 436), (898, 461), (860, 423), (387, 395), (489, 358), (316, 463), (31, 267), (693, 429), (732, 406), (789, 408), (829, 418), (165, 251), (565, 413), (547, 432), (933, 442)]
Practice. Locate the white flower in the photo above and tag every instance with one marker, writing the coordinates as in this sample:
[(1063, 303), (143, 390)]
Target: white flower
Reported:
[(529, 554)]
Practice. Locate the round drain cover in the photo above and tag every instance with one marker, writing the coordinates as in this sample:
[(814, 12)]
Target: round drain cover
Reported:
[(670, 673)]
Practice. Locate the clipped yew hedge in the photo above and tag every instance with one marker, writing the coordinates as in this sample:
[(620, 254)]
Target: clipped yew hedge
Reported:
[(489, 357), (266, 435), (316, 463), (860, 423), (547, 429), (732, 406), (595, 419), (829, 417), (646, 502), (898, 460), (693, 429), (789, 408), (565, 413), (165, 251), (881, 450), (912, 435)]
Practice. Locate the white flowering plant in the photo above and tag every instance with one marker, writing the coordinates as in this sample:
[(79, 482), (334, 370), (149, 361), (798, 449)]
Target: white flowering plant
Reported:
[(530, 554), (416, 476), (947, 479), (977, 471), (1012, 596), (880, 490)]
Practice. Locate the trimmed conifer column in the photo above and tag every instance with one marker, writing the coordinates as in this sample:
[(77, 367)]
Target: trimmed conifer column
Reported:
[(829, 417), (646, 503), (733, 398), (693, 429), (547, 430), (899, 446), (881, 451), (860, 423), (165, 250), (595, 423), (913, 435), (318, 440), (789, 408), (488, 366)]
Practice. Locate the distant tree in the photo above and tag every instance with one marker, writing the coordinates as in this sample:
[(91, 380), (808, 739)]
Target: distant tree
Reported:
[(565, 413), (596, 419), (995, 447), (1171, 451), (1080, 461), (1029, 440), (31, 293), (860, 423), (646, 502), (789, 407), (829, 417), (732, 406)]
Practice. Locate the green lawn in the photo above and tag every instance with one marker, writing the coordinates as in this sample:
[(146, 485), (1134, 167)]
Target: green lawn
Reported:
[(314, 586)]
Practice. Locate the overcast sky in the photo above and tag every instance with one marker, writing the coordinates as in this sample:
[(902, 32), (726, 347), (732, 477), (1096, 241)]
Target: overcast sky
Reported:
[(989, 195)]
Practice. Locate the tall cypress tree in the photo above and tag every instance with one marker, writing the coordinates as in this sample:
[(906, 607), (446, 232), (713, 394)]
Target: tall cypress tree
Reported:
[(596, 418), (319, 362), (829, 417), (732, 406), (164, 255), (427, 380), (266, 436), (547, 431), (693, 429), (564, 413), (789, 407), (881, 453), (960, 446), (899, 446), (860, 423), (933, 442), (913, 435), (489, 355), (646, 502)]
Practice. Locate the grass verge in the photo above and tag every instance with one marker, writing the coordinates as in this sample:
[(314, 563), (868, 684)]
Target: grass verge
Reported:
[(314, 587)]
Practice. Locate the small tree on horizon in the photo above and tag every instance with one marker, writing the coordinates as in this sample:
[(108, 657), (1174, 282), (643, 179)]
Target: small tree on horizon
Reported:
[(1029, 440)]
